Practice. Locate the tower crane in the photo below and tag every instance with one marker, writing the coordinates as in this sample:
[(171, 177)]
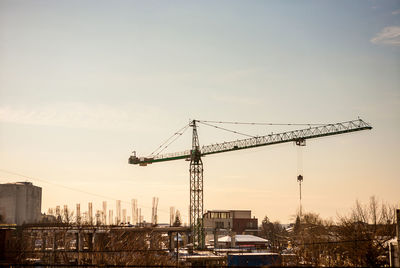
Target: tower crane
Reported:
[(195, 154)]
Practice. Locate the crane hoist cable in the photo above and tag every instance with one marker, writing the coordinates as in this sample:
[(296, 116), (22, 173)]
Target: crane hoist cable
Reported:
[(300, 176)]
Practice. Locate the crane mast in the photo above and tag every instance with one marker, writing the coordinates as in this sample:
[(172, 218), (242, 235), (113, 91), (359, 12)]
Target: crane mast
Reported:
[(195, 154), (196, 190)]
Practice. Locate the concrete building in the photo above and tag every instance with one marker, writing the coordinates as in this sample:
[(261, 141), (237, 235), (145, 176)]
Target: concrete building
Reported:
[(224, 222), (20, 202)]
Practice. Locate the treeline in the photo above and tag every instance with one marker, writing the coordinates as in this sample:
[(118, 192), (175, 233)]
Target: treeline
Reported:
[(357, 239)]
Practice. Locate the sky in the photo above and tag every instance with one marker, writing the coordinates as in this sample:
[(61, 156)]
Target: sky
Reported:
[(85, 83)]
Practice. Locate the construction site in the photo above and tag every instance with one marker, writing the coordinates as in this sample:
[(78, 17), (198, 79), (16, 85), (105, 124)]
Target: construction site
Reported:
[(213, 238), (195, 154), (199, 133)]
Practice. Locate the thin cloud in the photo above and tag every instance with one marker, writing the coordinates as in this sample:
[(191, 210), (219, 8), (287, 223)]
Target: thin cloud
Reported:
[(72, 115), (388, 36), (396, 12)]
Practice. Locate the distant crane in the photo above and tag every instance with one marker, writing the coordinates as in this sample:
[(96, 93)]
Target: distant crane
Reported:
[(195, 154)]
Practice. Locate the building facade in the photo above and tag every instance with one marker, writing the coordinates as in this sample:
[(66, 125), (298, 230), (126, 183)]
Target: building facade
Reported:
[(20, 203), (224, 222)]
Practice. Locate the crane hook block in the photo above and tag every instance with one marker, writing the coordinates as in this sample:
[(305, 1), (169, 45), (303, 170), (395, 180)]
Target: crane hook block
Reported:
[(300, 178)]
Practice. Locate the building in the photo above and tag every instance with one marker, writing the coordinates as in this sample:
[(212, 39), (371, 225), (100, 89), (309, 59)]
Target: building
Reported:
[(224, 222), (242, 241), (20, 203), (393, 252)]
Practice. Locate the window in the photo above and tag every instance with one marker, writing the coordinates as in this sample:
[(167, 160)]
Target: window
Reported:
[(250, 224), (219, 224)]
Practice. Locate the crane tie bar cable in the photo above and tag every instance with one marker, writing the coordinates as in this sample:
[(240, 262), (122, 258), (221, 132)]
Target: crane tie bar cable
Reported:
[(179, 133), (260, 124), (236, 132), (176, 135)]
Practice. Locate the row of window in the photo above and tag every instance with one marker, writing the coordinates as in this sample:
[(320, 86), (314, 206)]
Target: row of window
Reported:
[(218, 215), (249, 224), (220, 224)]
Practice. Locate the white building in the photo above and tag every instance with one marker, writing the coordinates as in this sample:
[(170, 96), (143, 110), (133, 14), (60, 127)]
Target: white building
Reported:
[(20, 202), (248, 241)]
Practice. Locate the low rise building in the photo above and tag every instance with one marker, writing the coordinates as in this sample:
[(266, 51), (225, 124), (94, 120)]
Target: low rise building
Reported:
[(224, 222)]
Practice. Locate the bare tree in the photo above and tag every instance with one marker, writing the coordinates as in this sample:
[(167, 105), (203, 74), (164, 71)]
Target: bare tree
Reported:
[(275, 234), (365, 232), (311, 238)]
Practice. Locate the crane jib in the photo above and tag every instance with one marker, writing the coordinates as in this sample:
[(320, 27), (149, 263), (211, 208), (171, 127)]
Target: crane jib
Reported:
[(289, 136)]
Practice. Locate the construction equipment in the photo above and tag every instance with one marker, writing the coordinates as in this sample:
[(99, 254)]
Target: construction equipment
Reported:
[(196, 153)]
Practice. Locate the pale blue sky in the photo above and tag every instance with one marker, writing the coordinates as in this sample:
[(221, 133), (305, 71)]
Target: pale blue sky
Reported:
[(84, 83)]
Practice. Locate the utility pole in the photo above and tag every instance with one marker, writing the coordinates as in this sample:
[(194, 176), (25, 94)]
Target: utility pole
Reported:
[(177, 249), (398, 236)]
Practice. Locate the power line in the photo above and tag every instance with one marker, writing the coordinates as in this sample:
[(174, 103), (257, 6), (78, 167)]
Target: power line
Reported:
[(76, 190)]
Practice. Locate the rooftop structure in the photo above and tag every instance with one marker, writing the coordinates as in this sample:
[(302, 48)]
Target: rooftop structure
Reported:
[(225, 222)]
